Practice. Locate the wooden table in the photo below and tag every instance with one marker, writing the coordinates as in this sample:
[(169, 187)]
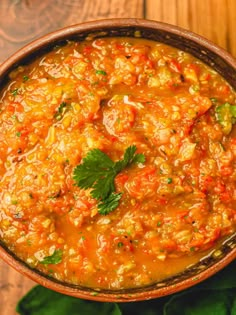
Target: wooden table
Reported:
[(23, 20)]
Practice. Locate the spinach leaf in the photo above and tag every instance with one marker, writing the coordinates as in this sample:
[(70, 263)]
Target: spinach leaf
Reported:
[(215, 296), (42, 301), (209, 302)]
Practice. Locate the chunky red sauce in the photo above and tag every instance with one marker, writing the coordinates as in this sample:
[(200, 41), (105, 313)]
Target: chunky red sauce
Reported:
[(110, 94)]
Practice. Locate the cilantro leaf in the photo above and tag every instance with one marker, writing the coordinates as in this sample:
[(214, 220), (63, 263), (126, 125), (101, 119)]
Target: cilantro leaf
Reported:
[(129, 158), (55, 258), (104, 186), (60, 111), (96, 166), (109, 204), (98, 171), (139, 158)]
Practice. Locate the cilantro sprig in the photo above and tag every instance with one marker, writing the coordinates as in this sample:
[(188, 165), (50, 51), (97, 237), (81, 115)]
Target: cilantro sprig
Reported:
[(98, 171), (55, 258)]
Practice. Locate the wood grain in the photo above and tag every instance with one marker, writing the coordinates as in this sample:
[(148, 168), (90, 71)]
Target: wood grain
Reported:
[(12, 287), (213, 19), (21, 21)]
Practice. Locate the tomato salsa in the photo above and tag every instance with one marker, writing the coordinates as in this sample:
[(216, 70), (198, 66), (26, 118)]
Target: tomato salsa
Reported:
[(135, 217)]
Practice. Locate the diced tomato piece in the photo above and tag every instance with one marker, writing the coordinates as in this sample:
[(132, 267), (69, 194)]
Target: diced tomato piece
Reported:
[(224, 89), (206, 183), (175, 65), (233, 146), (219, 187), (194, 67), (182, 214), (226, 170), (120, 181), (225, 196), (87, 50), (119, 46), (142, 183), (15, 107), (168, 244), (24, 130), (119, 119)]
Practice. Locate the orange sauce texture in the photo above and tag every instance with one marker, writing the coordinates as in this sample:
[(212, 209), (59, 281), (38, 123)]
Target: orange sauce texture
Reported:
[(111, 93)]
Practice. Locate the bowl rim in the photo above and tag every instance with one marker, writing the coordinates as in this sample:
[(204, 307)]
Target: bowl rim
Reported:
[(103, 24), (100, 296), (93, 27)]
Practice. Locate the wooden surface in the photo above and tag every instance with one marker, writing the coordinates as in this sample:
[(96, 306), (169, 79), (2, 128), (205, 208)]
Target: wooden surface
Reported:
[(23, 20), (213, 19)]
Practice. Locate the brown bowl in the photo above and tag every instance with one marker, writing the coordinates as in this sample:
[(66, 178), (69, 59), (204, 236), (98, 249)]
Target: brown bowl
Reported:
[(198, 46)]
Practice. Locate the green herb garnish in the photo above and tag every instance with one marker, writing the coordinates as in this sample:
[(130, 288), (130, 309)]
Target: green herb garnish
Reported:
[(226, 116), (55, 258), (98, 172), (213, 100), (109, 204), (102, 72), (25, 78), (60, 111), (29, 242), (18, 133), (14, 92)]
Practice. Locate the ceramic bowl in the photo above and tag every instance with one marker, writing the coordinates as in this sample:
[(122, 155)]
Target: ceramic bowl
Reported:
[(174, 36)]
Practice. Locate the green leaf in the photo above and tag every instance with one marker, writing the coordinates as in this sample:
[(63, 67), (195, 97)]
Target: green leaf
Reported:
[(139, 158), (95, 172), (129, 158), (233, 110), (104, 186), (15, 92), (55, 258), (85, 176), (97, 158), (215, 296), (98, 171), (42, 301), (218, 302), (109, 204), (129, 154), (225, 115), (60, 111), (102, 72), (25, 78)]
